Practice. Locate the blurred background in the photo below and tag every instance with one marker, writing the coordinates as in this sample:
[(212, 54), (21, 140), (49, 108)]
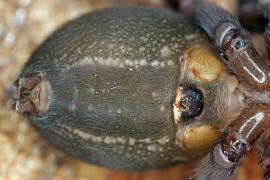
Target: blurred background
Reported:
[(24, 155)]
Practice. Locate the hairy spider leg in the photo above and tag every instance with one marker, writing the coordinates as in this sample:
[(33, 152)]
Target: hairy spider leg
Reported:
[(226, 155), (267, 29), (264, 140), (226, 31), (263, 145), (251, 69)]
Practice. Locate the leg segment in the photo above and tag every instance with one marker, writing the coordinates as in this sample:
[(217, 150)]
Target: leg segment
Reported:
[(228, 35), (267, 29), (263, 145), (225, 156)]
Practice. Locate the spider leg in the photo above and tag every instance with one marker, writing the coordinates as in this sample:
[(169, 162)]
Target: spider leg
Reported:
[(251, 68), (267, 43), (228, 35), (267, 174), (263, 144), (226, 155), (267, 29)]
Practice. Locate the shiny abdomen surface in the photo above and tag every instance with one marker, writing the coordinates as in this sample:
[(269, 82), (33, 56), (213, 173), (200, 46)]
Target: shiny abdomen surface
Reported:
[(113, 75)]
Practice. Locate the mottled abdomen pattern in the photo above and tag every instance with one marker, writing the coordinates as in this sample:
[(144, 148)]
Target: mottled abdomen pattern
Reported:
[(113, 75)]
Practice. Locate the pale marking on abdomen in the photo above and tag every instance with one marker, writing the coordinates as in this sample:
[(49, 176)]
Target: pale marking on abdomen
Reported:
[(117, 63), (112, 140)]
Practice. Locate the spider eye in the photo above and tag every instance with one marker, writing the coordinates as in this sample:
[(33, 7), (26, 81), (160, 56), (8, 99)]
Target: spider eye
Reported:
[(194, 134), (189, 102), (193, 102)]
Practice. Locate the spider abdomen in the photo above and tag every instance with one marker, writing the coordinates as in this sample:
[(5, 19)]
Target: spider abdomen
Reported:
[(109, 81)]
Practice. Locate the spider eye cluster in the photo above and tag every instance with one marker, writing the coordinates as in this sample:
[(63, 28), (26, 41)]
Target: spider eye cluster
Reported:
[(204, 91), (191, 102)]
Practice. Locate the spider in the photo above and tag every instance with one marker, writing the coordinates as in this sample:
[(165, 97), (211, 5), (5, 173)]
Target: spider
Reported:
[(245, 89)]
